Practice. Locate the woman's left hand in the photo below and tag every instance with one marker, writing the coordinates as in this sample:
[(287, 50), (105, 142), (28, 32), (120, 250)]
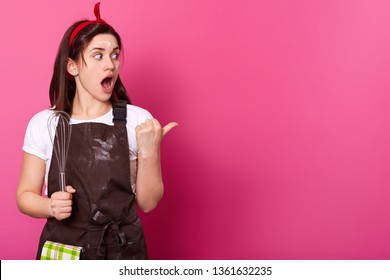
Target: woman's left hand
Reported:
[(149, 135)]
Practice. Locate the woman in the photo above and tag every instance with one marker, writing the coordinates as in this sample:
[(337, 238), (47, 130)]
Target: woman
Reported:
[(113, 159)]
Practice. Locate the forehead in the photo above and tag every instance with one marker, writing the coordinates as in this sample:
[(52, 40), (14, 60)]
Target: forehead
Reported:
[(106, 41)]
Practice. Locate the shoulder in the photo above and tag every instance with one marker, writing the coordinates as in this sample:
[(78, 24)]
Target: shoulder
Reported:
[(137, 115), (40, 119), (37, 139)]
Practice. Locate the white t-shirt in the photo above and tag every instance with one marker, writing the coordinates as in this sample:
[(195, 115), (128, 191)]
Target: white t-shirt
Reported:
[(37, 138)]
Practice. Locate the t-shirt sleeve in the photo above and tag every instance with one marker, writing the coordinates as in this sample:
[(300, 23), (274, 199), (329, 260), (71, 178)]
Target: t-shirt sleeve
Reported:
[(35, 142), (143, 115), (136, 116)]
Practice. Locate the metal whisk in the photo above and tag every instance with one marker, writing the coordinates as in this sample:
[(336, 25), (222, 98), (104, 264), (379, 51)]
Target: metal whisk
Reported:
[(60, 131)]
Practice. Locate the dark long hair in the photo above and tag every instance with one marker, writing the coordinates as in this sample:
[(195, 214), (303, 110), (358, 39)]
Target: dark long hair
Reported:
[(62, 86)]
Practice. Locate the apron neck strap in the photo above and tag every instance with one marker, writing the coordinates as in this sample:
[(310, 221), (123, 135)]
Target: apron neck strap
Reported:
[(119, 112)]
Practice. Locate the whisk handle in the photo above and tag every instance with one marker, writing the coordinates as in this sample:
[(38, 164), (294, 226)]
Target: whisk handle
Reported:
[(62, 181)]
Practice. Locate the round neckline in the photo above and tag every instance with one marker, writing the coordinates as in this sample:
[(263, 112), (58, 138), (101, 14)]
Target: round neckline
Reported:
[(91, 120)]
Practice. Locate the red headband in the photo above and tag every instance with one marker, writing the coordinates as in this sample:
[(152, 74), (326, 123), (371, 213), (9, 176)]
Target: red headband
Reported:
[(79, 27)]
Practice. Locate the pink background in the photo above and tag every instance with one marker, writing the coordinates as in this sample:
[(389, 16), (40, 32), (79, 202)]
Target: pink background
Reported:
[(283, 146)]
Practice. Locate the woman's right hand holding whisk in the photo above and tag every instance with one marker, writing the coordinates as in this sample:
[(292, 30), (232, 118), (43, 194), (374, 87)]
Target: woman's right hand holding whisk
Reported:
[(61, 203)]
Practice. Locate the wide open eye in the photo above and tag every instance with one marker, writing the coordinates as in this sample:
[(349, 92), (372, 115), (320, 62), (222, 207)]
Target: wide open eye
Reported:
[(98, 56)]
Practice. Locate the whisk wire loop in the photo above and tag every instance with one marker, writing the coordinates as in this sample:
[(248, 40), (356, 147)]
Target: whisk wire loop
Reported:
[(60, 131)]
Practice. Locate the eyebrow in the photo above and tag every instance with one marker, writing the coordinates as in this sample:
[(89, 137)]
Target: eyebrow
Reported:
[(102, 49)]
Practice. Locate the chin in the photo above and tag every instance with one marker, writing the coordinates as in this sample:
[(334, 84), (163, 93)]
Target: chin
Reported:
[(104, 97)]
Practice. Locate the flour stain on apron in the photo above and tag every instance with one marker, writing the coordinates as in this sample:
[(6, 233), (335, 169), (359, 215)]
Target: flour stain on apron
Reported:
[(102, 148)]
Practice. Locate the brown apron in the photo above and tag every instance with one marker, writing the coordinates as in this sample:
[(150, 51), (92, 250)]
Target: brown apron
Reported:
[(104, 218)]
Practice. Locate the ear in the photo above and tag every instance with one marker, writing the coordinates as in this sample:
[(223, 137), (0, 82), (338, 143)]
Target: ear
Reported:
[(72, 68)]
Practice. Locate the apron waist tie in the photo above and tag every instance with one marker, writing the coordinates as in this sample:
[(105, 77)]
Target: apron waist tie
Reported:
[(103, 221)]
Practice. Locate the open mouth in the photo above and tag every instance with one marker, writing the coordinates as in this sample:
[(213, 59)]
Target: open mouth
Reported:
[(107, 83)]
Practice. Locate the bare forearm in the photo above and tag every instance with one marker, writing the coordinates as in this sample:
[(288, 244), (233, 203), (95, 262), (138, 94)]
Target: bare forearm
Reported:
[(150, 188), (28, 195), (34, 205)]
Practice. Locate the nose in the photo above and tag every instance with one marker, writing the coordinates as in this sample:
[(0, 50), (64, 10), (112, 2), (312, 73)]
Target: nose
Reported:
[(109, 65)]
